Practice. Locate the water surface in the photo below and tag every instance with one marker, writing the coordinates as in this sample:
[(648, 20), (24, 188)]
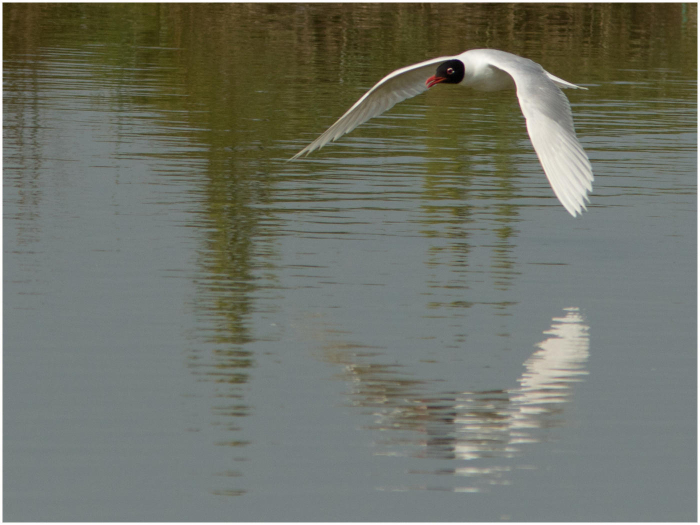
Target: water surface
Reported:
[(407, 325)]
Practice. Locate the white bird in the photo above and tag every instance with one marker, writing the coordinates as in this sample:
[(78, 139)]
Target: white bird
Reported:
[(545, 107)]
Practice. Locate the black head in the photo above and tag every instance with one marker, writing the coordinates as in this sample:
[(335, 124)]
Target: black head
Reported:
[(450, 72)]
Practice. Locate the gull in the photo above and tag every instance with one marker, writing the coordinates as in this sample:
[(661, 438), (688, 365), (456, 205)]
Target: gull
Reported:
[(545, 107)]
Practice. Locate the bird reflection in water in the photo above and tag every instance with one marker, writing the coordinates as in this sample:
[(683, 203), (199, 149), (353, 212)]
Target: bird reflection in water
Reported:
[(479, 430)]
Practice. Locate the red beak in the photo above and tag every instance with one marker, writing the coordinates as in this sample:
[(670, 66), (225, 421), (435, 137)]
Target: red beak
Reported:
[(434, 80)]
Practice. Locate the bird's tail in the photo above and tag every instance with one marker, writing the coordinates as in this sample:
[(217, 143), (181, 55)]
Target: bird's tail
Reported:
[(563, 83)]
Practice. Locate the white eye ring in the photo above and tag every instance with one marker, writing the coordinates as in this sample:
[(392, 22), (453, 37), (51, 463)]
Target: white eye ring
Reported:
[(450, 70)]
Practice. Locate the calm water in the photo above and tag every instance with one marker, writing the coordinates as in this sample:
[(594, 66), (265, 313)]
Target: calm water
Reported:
[(405, 326)]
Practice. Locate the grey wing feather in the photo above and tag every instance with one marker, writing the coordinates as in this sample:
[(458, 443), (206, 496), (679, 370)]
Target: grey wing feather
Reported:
[(551, 128), (403, 83)]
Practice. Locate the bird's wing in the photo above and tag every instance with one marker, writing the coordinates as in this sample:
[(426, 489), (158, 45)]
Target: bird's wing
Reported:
[(403, 83), (551, 129)]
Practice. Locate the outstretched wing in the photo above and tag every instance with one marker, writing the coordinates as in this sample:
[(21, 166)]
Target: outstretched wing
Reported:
[(551, 129), (403, 83)]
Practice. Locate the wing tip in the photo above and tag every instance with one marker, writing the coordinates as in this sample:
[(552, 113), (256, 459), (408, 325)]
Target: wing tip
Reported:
[(303, 153), (577, 206)]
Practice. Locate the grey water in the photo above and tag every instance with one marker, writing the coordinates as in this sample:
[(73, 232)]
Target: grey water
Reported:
[(406, 325)]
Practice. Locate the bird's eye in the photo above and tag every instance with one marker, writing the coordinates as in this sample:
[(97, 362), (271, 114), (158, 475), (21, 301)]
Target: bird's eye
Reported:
[(450, 71)]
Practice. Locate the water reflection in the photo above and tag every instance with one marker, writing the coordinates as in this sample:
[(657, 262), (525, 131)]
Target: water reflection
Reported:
[(481, 427)]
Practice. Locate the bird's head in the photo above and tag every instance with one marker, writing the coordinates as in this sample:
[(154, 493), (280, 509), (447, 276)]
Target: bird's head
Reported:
[(450, 72)]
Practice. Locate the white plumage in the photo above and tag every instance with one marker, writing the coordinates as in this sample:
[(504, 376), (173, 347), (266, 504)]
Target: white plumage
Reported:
[(545, 107)]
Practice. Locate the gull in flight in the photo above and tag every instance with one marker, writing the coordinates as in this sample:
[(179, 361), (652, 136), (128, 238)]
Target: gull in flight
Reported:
[(545, 107)]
